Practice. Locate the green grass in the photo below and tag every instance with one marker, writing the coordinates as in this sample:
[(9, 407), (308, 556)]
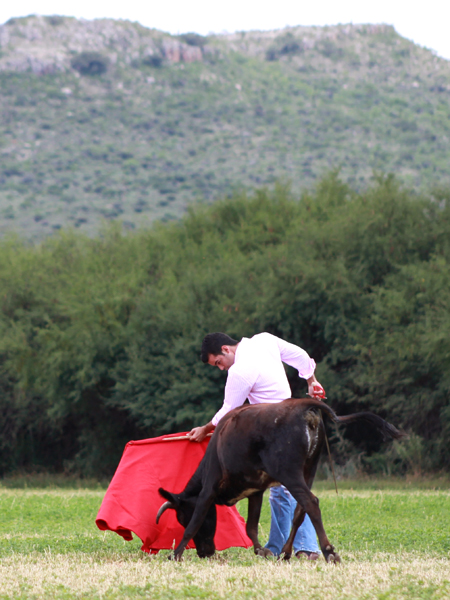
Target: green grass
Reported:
[(394, 543), (23, 480)]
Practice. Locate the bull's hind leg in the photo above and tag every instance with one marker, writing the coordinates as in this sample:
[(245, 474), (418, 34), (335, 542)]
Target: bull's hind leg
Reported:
[(310, 504), (299, 516), (254, 512)]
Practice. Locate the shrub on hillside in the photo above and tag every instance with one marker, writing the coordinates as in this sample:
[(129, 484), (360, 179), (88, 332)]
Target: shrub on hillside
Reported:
[(54, 20), (330, 49), (284, 45), (153, 60), (90, 63), (194, 39)]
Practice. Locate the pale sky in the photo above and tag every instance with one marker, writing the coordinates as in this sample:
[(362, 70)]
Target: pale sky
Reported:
[(427, 23)]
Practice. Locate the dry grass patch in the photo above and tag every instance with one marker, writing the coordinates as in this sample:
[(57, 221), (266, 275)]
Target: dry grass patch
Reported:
[(361, 576)]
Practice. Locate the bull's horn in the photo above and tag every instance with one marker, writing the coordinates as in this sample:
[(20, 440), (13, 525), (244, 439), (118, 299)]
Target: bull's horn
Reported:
[(163, 507)]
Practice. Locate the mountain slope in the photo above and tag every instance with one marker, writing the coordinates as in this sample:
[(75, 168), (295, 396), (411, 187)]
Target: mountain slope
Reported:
[(110, 120)]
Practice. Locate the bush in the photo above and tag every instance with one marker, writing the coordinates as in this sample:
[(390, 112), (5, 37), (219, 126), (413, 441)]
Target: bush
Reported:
[(153, 60), (90, 63), (285, 45), (194, 39), (330, 50), (54, 20), (99, 338)]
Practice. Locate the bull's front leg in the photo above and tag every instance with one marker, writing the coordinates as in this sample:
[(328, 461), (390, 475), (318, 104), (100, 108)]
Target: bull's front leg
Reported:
[(254, 512), (204, 501)]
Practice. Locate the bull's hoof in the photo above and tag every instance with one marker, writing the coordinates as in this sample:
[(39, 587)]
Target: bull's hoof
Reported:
[(286, 555), (264, 552), (333, 558), (175, 557), (207, 555)]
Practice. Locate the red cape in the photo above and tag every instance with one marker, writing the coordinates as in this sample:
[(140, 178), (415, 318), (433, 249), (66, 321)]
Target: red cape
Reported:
[(132, 499)]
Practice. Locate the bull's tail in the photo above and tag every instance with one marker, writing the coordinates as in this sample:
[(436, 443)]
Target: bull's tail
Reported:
[(388, 430)]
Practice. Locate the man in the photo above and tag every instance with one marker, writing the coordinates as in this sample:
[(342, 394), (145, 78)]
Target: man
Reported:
[(255, 371)]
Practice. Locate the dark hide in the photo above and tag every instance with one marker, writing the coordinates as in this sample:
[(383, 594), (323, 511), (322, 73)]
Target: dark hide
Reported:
[(255, 447)]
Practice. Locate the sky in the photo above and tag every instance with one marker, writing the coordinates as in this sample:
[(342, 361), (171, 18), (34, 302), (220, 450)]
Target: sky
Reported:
[(424, 22)]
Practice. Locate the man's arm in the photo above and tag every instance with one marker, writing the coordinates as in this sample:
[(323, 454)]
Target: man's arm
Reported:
[(299, 359), (296, 357), (236, 392), (198, 434)]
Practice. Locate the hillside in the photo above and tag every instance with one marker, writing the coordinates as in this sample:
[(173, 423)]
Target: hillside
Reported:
[(109, 120)]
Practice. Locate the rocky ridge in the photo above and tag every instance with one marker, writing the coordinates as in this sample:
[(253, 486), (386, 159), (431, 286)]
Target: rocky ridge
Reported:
[(43, 45), (51, 44)]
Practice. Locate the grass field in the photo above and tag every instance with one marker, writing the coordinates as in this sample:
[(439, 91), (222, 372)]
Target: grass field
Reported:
[(394, 541)]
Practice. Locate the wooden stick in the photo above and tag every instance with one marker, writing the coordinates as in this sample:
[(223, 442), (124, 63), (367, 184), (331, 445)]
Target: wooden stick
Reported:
[(180, 437)]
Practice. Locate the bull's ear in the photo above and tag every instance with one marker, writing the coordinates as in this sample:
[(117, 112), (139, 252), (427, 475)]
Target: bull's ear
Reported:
[(172, 498)]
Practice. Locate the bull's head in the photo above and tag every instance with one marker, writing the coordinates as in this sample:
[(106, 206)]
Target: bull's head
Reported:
[(184, 507)]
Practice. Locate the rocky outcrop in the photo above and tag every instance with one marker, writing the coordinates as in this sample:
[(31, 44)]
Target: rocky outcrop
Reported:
[(175, 52), (257, 43), (49, 44)]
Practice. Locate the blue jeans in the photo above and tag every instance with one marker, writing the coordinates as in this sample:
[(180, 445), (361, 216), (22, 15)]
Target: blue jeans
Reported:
[(282, 507)]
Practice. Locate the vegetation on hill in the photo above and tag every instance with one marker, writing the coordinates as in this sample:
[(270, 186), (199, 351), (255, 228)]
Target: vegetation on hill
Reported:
[(100, 338), (108, 120)]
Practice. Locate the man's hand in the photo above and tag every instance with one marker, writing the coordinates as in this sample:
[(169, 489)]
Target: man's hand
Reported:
[(315, 390), (198, 434)]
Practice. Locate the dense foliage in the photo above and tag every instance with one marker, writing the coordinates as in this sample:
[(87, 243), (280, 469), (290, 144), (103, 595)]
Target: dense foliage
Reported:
[(100, 337)]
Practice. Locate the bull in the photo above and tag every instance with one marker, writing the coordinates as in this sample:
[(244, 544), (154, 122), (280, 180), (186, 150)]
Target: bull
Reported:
[(255, 447)]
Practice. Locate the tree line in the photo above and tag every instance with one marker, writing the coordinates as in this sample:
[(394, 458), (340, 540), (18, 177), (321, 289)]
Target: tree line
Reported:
[(100, 338)]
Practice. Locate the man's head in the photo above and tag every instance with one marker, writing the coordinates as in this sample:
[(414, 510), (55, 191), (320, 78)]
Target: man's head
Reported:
[(218, 350)]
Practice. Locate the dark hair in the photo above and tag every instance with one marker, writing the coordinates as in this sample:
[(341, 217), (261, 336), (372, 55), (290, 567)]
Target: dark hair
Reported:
[(213, 342)]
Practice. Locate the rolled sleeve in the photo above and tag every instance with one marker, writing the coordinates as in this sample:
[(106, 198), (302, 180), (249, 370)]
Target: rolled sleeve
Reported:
[(297, 357)]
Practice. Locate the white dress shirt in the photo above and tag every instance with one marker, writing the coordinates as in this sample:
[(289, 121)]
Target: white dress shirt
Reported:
[(258, 373)]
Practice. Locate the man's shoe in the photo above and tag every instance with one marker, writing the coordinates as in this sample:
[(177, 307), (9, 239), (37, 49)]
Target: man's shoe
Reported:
[(306, 554)]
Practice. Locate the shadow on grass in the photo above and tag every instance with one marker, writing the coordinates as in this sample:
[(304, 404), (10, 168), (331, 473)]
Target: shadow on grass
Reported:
[(22, 480), (366, 482)]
